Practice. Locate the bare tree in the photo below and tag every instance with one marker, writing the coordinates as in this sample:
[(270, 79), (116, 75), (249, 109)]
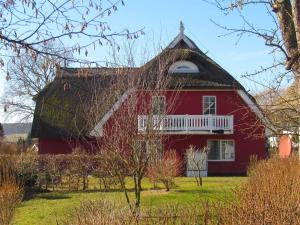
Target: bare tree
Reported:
[(165, 169), (29, 26), (197, 162), (131, 138), (282, 36), (26, 77)]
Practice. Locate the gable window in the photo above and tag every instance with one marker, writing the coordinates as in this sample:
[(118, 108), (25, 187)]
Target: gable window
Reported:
[(183, 66), (222, 150), (158, 105), (209, 105)]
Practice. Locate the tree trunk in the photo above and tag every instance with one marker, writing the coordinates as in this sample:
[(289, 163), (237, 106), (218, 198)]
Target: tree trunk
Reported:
[(138, 189), (284, 13)]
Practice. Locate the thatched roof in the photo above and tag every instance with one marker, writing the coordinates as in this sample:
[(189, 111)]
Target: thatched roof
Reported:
[(60, 106)]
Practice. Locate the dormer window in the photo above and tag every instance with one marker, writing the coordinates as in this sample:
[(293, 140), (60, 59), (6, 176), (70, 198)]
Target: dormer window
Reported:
[(183, 67)]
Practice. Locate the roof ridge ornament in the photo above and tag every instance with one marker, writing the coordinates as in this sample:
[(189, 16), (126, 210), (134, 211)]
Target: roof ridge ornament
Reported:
[(181, 29), (182, 37)]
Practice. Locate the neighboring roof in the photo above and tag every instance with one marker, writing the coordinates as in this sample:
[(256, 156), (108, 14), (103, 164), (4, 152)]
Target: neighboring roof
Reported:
[(282, 107), (61, 107)]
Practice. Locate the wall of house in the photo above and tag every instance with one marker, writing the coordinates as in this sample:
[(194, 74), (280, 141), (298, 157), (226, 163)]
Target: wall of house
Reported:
[(248, 132), (248, 135), (64, 145), (244, 149), (55, 146)]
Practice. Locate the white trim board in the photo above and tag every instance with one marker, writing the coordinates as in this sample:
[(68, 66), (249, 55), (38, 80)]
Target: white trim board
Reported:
[(252, 105), (184, 38), (98, 129)]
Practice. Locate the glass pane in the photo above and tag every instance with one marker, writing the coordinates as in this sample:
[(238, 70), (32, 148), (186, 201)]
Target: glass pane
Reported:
[(212, 111), (214, 150), (228, 149), (206, 112)]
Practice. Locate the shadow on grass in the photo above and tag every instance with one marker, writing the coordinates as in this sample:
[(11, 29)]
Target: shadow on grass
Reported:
[(30, 193), (199, 191), (54, 196), (64, 194)]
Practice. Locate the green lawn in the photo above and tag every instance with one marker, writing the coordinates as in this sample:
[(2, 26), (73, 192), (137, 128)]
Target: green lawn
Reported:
[(46, 208)]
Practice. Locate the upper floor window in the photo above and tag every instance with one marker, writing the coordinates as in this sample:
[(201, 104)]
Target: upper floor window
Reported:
[(222, 150), (183, 66), (209, 105), (158, 105)]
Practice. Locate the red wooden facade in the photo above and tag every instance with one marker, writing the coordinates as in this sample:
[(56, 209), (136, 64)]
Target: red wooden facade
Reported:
[(189, 102)]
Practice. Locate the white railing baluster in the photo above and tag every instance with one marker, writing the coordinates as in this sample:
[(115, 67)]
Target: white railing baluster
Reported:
[(186, 122)]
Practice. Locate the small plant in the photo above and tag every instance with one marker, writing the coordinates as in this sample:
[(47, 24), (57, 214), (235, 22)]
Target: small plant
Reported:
[(164, 170), (197, 162)]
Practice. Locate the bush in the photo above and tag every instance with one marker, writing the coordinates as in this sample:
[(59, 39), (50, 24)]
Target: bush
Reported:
[(6, 148), (105, 212), (10, 192), (270, 196), (27, 169), (164, 170)]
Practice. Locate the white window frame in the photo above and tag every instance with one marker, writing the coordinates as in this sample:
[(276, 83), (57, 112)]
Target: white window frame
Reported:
[(221, 160), (191, 67), (203, 109), (159, 96)]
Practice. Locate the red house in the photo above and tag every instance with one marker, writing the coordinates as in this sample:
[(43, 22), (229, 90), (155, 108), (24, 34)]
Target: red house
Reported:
[(212, 109)]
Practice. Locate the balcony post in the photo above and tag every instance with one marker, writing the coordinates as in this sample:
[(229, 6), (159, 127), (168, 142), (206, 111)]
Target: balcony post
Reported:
[(186, 122)]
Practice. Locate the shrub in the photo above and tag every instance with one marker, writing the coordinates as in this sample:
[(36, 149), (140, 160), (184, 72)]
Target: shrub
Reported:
[(10, 192), (164, 170), (27, 169), (104, 212), (6, 148), (270, 196)]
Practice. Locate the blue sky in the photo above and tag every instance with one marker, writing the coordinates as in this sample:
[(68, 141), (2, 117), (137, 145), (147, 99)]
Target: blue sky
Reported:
[(160, 20)]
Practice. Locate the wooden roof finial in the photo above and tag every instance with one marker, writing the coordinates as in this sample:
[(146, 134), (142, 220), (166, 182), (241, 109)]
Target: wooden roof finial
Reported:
[(181, 29)]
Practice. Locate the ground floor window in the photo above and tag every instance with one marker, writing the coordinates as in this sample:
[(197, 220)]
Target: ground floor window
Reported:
[(222, 150)]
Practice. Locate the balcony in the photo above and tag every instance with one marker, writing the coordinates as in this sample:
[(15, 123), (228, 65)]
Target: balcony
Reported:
[(187, 124)]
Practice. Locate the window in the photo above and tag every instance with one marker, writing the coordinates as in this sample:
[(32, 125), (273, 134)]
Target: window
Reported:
[(183, 66), (158, 105), (151, 149), (154, 149), (222, 150), (209, 105)]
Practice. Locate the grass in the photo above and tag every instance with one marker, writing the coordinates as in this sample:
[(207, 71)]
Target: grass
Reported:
[(47, 208)]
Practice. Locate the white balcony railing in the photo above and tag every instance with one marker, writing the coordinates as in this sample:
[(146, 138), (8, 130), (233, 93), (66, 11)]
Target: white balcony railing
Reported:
[(188, 123)]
